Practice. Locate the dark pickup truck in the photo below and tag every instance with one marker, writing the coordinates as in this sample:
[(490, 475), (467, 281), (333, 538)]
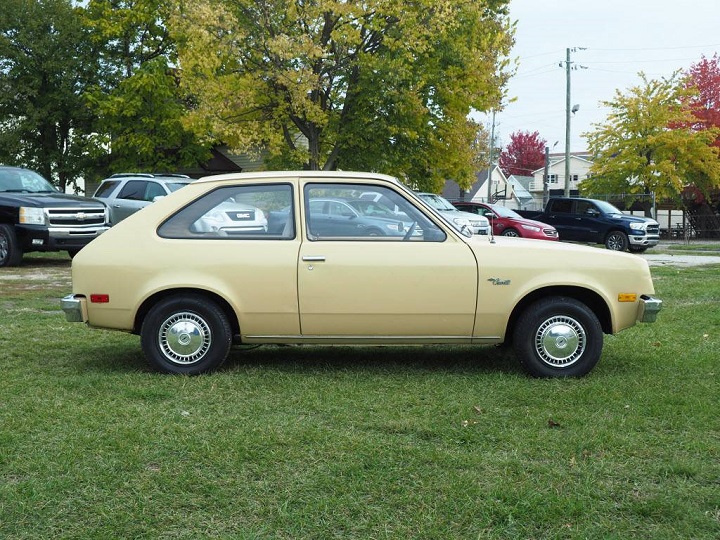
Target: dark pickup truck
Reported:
[(598, 222), (35, 216)]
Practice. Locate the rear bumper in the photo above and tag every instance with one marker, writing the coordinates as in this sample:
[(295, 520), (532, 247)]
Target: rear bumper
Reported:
[(648, 309), (75, 308)]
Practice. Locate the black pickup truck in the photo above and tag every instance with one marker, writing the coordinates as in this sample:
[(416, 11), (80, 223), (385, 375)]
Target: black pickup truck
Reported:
[(35, 216), (598, 222)]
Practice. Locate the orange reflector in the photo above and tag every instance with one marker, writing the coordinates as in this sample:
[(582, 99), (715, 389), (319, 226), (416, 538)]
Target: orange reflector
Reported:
[(99, 298), (627, 297)]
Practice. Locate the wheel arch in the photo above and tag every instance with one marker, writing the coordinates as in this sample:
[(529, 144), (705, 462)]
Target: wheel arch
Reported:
[(588, 297), (185, 291)]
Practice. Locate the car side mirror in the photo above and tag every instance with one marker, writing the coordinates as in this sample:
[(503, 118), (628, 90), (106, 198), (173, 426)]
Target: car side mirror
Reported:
[(154, 199)]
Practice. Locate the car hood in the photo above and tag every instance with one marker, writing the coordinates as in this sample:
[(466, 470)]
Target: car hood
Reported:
[(560, 256), (633, 219), (465, 215), (534, 223), (49, 200)]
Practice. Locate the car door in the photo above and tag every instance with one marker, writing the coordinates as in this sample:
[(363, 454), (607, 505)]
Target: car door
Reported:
[(129, 200), (385, 288), (560, 215)]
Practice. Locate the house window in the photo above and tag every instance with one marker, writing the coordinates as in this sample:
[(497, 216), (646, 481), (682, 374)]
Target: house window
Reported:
[(552, 178)]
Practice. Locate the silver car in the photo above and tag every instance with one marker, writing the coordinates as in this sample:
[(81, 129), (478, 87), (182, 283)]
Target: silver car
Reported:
[(126, 193)]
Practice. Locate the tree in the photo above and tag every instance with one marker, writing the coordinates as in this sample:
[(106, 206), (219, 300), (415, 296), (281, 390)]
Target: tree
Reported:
[(45, 66), (649, 143), (524, 154), (139, 100), (383, 85), (704, 79)]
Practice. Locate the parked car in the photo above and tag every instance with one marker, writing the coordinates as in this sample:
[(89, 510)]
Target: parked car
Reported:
[(598, 222), (478, 224), (36, 216), (343, 217), (507, 222), (190, 295), (126, 193)]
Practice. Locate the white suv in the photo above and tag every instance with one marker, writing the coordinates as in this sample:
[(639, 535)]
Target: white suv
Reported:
[(478, 224)]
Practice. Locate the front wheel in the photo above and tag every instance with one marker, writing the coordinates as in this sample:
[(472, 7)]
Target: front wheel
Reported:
[(558, 337), (616, 241), (511, 232), (186, 334), (11, 252)]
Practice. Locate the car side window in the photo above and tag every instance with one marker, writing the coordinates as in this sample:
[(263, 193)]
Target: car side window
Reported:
[(133, 190), (106, 188), (364, 212), (562, 206), (247, 212), (585, 207), (154, 190)]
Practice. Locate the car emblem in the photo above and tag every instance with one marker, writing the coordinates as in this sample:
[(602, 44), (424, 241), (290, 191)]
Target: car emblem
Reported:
[(80, 216), (498, 281)]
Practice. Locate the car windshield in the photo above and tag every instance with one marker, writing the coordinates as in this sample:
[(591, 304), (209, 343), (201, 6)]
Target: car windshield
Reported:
[(24, 181), (506, 212), (438, 203), (607, 208)]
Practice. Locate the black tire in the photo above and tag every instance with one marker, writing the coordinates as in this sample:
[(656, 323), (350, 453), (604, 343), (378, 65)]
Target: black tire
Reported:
[(11, 252), (558, 337), (73, 252), (616, 241), (186, 334), (374, 232), (511, 232)]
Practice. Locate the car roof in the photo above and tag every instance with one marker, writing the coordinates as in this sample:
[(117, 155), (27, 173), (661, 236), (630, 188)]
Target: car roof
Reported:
[(325, 175)]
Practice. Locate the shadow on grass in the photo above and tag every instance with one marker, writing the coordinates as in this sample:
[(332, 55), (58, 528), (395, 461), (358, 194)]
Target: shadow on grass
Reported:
[(46, 260), (323, 359), (375, 359)]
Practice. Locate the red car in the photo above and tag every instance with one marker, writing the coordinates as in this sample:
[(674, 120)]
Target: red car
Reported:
[(506, 222)]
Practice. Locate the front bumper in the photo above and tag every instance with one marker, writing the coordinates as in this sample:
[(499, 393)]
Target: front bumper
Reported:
[(75, 308), (40, 238), (648, 308), (644, 240)]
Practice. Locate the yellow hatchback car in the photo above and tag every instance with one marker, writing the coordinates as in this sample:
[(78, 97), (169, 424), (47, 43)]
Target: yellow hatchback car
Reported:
[(247, 258)]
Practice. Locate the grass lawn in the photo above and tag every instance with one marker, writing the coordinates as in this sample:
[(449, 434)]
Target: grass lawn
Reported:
[(351, 442)]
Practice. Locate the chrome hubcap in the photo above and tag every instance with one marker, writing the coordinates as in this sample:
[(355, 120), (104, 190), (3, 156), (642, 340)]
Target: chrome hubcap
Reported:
[(184, 338), (560, 341)]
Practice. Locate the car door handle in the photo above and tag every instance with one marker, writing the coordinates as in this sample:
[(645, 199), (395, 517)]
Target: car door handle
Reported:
[(314, 259)]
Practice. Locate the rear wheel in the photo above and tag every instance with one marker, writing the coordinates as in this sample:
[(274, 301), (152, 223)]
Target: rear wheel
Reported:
[(186, 334), (11, 253), (616, 241), (558, 337)]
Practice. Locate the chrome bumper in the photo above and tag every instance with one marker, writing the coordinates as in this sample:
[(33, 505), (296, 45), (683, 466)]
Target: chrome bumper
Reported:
[(74, 308), (648, 309)]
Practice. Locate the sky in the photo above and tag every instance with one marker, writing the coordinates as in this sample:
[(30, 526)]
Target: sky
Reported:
[(620, 38)]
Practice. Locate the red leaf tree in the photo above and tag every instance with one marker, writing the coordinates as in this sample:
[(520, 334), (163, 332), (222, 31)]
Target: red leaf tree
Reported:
[(704, 78), (524, 154)]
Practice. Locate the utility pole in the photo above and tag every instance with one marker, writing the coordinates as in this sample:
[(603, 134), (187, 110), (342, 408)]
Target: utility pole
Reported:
[(546, 178), (490, 164), (568, 111), (567, 123)]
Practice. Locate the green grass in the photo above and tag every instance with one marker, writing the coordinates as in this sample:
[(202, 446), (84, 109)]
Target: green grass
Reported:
[(345, 442)]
